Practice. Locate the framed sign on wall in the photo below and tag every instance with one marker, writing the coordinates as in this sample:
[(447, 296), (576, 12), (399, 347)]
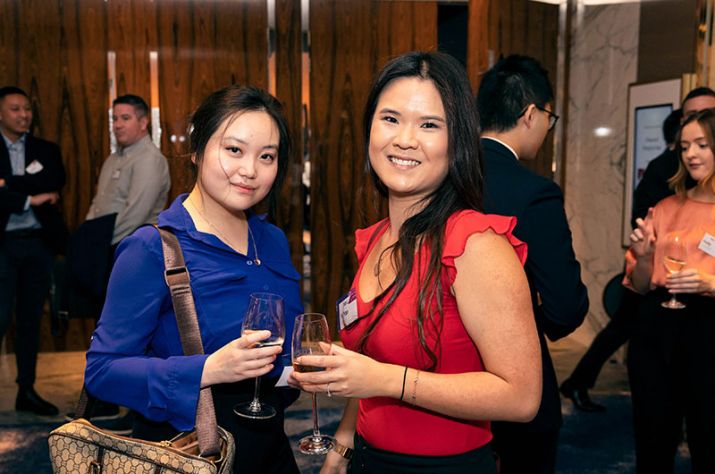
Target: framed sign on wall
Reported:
[(648, 106)]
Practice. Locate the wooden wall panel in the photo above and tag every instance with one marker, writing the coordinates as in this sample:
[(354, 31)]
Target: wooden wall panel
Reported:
[(498, 28), (289, 213), (39, 71), (204, 46), (132, 35), (350, 42), (83, 122), (9, 57)]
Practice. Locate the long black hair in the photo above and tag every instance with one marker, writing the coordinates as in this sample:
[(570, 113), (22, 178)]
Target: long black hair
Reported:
[(461, 189), (226, 103)]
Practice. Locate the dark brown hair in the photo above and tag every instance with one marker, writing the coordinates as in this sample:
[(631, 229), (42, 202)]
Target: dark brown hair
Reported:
[(232, 100), (461, 188)]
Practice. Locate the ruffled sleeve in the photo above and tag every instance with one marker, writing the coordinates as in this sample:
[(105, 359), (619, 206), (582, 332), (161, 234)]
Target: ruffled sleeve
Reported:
[(364, 238), (465, 223)]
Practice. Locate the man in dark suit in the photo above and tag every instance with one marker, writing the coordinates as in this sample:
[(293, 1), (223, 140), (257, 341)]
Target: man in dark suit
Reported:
[(515, 104), (31, 232)]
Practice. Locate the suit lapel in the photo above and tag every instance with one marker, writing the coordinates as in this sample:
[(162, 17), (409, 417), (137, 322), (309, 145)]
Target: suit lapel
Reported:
[(5, 166), (29, 150)]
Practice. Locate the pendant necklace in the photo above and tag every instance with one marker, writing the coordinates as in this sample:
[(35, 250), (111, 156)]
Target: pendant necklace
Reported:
[(223, 237)]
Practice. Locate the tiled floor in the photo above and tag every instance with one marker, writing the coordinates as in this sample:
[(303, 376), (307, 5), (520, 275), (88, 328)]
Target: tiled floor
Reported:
[(589, 443)]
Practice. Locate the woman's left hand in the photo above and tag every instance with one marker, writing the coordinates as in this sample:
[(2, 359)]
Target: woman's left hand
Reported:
[(348, 374), (691, 280)]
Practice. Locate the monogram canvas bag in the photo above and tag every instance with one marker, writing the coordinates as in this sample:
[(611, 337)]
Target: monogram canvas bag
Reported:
[(80, 447)]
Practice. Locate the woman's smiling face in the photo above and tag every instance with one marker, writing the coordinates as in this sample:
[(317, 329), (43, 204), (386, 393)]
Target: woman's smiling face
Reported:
[(409, 140)]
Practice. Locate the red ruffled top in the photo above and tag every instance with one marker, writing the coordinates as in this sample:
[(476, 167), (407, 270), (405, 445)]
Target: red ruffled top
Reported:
[(390, 424)]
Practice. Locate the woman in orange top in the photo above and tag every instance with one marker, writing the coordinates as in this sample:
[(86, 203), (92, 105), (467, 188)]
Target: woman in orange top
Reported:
[(671, 361)]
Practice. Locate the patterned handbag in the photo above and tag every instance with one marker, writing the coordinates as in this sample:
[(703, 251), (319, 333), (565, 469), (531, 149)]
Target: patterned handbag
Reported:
[(80, 447)]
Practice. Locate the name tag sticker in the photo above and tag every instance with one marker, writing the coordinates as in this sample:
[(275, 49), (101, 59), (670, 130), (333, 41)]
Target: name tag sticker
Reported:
[(707, 245), (347, 309), (116, 174), (34, 167)]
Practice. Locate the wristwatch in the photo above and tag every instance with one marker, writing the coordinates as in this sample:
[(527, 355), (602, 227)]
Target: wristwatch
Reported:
[(344, 451)]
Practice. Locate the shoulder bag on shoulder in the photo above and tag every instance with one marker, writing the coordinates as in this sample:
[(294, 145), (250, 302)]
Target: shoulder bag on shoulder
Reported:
[(79, 446)]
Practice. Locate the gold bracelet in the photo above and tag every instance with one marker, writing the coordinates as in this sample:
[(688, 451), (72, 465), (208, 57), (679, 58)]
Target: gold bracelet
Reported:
[(343, 450), (414, 387)]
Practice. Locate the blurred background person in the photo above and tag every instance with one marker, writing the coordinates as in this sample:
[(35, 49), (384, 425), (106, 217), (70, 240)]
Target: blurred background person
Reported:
[(31, 233), (515, 103), (671, 351)]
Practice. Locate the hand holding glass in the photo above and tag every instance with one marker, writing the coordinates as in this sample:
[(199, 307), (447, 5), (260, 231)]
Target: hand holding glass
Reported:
[(309, 331), (674, 261), (265, 312)]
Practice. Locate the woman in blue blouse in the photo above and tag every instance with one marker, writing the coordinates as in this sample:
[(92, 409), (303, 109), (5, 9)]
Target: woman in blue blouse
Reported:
[(239, 147)]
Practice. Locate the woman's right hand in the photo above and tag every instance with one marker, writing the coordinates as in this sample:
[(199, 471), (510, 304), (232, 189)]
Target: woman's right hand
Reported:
[(643, 236), (334, 464), (240, 359)]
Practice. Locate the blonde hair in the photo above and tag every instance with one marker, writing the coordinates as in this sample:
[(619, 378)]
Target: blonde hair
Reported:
[(706, 120)]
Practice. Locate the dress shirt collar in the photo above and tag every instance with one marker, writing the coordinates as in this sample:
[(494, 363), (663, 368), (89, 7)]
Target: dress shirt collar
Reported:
[(504, 145), (134, 147), (9, 143)]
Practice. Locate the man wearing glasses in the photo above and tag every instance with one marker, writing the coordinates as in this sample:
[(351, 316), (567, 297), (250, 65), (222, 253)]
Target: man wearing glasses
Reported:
[(515, 103)]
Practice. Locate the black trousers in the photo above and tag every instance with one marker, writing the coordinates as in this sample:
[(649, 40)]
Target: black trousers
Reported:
[(262, 446), (369, 460), (616, 333), (523, 450), (25, 278), (671, 369)]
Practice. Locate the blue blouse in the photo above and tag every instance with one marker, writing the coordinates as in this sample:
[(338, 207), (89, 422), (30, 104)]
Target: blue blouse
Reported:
[(135, 358)]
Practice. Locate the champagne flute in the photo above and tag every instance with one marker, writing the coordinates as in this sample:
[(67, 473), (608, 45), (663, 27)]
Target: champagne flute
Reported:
[(265, 312), (309, 331), (674, 261)]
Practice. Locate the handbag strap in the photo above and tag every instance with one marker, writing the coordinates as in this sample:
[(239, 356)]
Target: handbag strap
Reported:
[(177, 278)]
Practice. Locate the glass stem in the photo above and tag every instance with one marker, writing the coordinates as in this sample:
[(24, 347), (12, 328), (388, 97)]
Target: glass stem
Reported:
[(316, 430), (255, 404), (673, 301)]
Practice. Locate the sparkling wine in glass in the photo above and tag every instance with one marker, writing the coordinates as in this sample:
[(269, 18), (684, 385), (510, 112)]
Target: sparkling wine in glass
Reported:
[(309, 331), (674, 261), (265, 312)]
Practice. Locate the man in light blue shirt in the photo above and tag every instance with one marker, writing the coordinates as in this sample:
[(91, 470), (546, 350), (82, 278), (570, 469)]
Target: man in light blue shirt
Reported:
[(31, 232)]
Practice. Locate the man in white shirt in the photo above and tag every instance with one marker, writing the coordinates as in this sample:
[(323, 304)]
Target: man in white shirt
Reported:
[(134, 182)]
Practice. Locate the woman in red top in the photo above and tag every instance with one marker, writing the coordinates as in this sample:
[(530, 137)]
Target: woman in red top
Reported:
[(438, 326)]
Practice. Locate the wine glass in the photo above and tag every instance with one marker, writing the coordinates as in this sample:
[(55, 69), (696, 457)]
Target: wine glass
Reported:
[(309, 331), (265, 312), (674, 261)]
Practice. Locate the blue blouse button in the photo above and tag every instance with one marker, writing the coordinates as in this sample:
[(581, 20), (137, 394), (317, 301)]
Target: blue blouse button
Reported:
[(249, 262)]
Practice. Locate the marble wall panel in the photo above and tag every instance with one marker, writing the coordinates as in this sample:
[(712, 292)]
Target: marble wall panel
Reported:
[(603, 62)]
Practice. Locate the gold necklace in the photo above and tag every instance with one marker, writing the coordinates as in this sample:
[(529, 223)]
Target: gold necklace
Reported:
[(255, 260)]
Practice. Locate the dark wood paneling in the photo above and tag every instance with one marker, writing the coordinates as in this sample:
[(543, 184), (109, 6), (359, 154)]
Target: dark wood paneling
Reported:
[(204, 46), (350, 42), (498, 28), (667, 36), (132, 35), (289, 213), (83, 121), (9, 57)]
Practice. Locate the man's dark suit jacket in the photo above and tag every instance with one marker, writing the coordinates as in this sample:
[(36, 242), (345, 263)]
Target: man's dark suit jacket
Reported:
[(50, 179), (653, 187), (558, 295)]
